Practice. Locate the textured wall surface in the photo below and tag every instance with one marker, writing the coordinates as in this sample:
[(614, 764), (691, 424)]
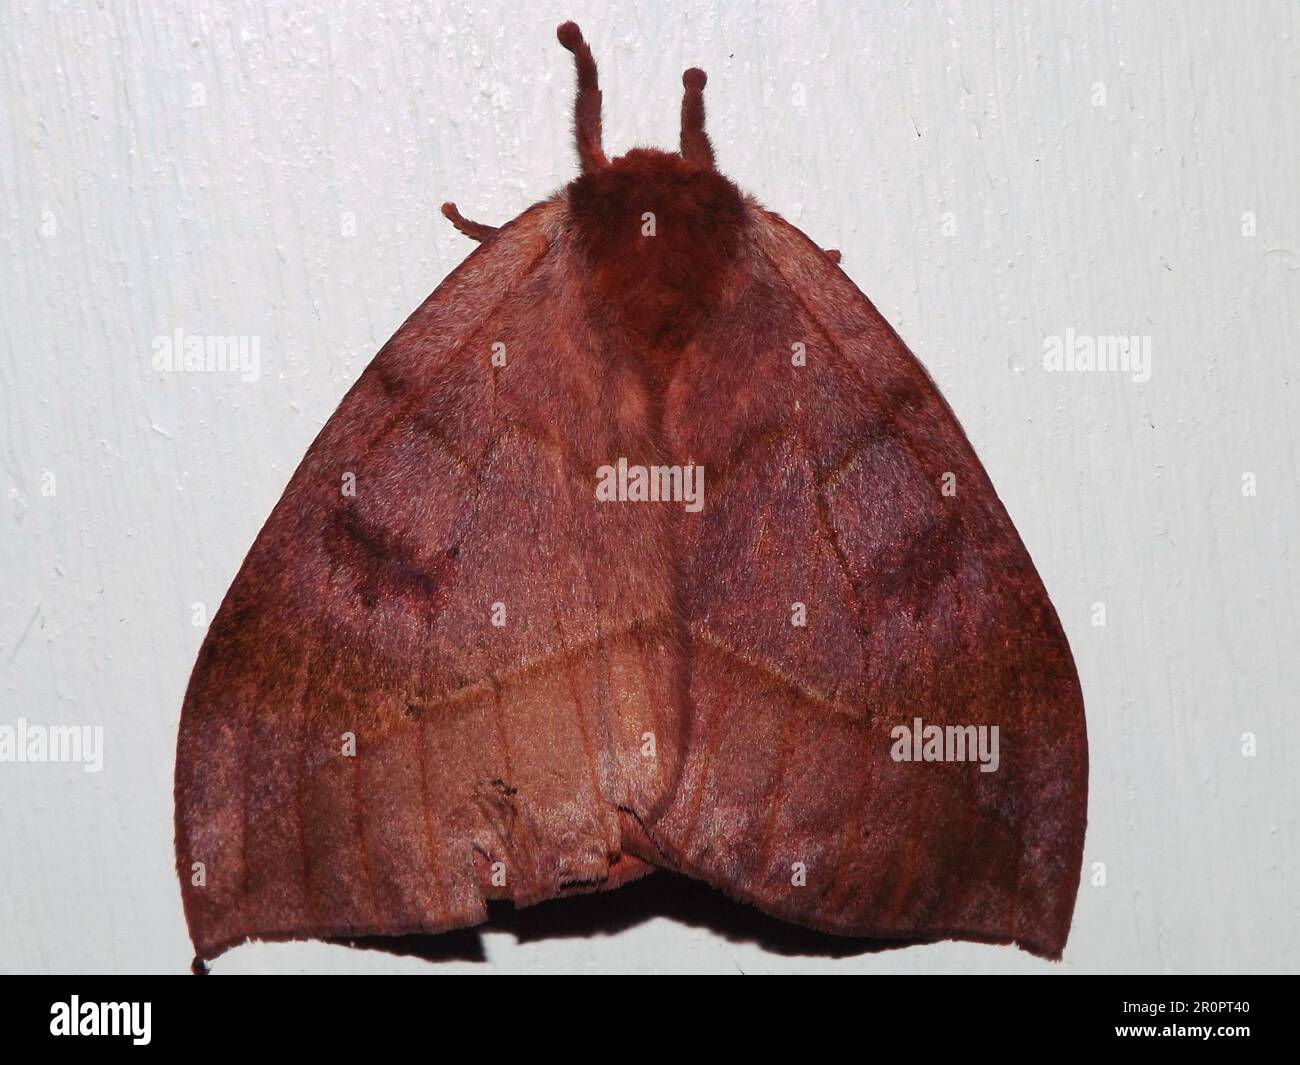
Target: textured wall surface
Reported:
[(996, 174)]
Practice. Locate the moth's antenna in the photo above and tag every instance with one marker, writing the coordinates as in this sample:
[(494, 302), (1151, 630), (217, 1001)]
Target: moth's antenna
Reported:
[(586, 106), (473, 230), (695, 142)]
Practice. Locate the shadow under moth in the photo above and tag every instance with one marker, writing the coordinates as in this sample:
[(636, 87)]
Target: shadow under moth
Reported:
[(645, 543)]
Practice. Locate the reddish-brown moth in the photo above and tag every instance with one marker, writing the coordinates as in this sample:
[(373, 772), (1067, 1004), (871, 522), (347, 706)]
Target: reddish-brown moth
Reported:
[(461, 662)]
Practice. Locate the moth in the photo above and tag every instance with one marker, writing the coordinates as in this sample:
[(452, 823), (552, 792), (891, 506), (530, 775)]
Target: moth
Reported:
[(451, 669)]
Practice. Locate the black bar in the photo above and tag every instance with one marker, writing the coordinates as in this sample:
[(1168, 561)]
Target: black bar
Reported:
[(1043, 1014)]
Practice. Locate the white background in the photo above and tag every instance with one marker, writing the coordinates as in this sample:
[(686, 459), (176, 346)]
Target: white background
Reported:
[(190, 166)]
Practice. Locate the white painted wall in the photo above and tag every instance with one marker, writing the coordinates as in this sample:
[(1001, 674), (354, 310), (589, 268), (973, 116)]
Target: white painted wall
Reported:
[(190, 167)]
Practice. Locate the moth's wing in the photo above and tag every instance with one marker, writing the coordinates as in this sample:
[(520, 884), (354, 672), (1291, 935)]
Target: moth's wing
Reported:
[(844, 494), (363, 748)]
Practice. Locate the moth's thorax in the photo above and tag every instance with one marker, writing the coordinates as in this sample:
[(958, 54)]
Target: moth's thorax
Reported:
[(660, 236)]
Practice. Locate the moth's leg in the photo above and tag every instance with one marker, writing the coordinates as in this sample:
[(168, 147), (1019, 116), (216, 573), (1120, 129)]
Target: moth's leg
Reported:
[(833, 254), (473, 230)]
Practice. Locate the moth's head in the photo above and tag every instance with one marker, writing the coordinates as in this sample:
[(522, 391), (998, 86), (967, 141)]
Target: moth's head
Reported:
[(660, 229), (654, 198)]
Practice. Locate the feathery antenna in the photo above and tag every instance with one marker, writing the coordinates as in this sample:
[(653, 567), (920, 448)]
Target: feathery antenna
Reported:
[(695, 142), (586, 105)]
